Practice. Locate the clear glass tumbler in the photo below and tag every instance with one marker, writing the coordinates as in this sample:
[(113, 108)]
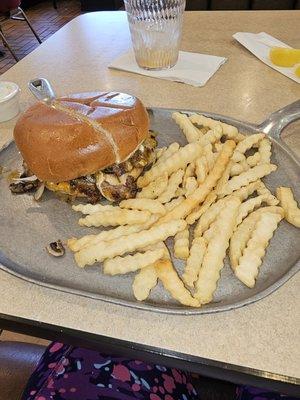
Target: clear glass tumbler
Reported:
[(155, 27)]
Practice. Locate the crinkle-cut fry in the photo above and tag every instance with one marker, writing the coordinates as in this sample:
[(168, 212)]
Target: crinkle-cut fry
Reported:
[(240, 238), (180, 192), (173, 284), (239, 167), (155, 188), (239, 137), (189, 171), (254, 159), (251, 260), (194, 261), (210, 155), (190, 186), (176, 161), (203, 130), (247, 177), (248, 206), (190, 131), (123, 230), (244, 192), (209, 216), (264, 151), (156, 246), (199, 195), (218, 146), (71, 243), (130, 263), (196, 213), (200, 210), (213, 259), (92, 208), (173, 184), (210, 232), (263, 190), (201, 169), (144, 281), (159, 151), (165, 247), (289, 205), (135, 241), (115, 217), (224, 179), (210, 213), (182, 244), (230, 131), (153, 206), (212, 136), (172, 149), (245, 145), (174, 203), (243, 232)]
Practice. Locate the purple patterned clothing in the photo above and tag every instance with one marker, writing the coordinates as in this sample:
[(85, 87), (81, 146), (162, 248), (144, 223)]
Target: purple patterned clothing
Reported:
[(70, 373)]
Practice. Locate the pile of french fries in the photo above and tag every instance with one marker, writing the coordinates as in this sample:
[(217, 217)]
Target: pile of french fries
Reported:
[(209, 196)]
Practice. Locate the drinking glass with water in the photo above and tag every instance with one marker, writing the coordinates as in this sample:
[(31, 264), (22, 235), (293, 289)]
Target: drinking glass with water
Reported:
[(155, 27)]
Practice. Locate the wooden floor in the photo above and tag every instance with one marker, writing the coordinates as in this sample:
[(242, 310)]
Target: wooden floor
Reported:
[(46, 21), (7, 336)]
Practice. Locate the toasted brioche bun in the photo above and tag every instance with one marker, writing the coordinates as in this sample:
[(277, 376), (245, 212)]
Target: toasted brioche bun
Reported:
[(80, 134)]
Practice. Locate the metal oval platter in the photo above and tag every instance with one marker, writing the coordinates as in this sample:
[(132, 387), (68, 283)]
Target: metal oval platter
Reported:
[(28, 226)]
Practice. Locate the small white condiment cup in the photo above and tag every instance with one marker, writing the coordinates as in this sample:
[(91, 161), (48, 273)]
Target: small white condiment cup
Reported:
[(9, 100)]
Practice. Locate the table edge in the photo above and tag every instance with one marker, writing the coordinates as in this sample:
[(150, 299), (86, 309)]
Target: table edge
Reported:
[(211, 368)]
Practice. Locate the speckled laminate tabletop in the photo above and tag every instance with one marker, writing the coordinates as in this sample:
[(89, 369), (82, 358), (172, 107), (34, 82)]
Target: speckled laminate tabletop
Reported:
[(261, 335)]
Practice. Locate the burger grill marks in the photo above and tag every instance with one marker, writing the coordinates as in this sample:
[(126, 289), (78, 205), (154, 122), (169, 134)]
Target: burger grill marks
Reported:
[(98, 129), (96, 125)]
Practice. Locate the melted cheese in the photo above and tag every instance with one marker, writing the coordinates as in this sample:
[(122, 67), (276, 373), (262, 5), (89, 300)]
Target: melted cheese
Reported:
[(64, 187)]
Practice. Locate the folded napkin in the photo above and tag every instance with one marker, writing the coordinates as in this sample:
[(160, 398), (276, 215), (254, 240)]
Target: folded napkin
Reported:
[(259, 44), (192, 68)]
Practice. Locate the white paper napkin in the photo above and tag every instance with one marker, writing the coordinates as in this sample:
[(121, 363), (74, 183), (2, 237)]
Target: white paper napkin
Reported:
[(192, 68), (259, 44)]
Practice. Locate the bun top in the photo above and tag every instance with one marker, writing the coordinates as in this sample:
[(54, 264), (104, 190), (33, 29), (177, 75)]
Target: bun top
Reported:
[(79, 134)]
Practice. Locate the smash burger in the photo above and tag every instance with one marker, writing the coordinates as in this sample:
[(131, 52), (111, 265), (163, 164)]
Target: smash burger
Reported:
[(90, 145)]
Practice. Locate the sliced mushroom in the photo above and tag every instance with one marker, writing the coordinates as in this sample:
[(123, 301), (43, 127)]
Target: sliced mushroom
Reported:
[(119, 169), (31, 178), (119, 192), (86, 186), (40, 190), (111, 179), (99, 179), (23, 187), (56, 249), (135, 173)]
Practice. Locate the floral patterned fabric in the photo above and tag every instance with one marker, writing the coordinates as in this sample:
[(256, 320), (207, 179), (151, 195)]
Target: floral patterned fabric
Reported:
[(70, 373)]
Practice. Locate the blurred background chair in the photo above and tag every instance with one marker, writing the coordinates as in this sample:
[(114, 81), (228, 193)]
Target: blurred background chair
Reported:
[(11, 9), (97, 5), (17, 362)]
